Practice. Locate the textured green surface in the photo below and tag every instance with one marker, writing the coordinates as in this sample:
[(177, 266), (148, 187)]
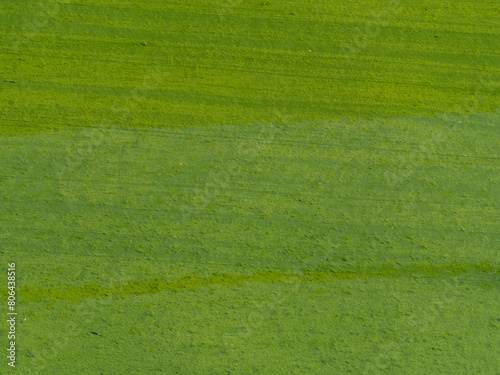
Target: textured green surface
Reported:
[(252, 187), (237, 62)]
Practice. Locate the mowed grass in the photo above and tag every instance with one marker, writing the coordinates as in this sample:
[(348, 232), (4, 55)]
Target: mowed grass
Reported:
[(194, 63), (320, 247), (252, 187)]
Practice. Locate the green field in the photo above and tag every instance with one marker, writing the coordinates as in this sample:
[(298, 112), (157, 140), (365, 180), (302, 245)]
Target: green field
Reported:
[(251, 187)]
